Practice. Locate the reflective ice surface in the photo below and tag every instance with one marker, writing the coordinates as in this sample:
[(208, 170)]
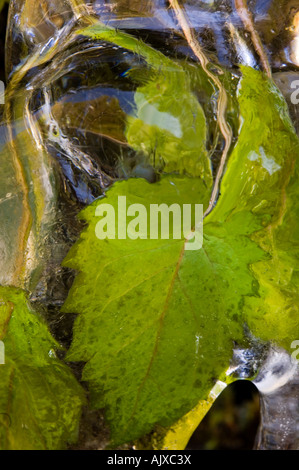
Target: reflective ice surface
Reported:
[(63, 140)]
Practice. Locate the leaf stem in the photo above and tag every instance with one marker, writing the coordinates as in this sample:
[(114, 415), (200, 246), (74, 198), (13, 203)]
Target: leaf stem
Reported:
[(82, 10), (246, 17), (26, 220), (222, 100)]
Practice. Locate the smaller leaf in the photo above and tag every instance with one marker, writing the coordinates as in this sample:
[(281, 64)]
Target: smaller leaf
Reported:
[(40, 400), (169, 125)]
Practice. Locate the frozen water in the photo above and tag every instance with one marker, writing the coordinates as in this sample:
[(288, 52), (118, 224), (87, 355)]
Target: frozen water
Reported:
[(72, 99)]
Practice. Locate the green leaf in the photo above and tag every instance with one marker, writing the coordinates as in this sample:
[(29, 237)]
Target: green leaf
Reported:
[(157, 323), (136, 279), (168, 125), (262, 180), (40, 400), (149, 336)]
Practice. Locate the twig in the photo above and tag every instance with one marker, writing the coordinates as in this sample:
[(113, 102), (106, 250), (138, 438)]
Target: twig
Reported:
[(222, 100), (246, 17), (83, 10)]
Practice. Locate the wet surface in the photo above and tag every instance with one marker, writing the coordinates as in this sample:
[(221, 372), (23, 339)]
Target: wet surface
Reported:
[(74, 99), (79, 101)]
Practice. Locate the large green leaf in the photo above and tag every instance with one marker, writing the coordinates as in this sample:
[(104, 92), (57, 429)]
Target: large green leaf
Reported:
[(40, 400), (150, 312), (157, 322)]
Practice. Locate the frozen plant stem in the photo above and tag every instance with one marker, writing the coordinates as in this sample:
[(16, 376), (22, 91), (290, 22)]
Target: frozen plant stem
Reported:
[(82, 10), (245, 15), (222, 99)]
